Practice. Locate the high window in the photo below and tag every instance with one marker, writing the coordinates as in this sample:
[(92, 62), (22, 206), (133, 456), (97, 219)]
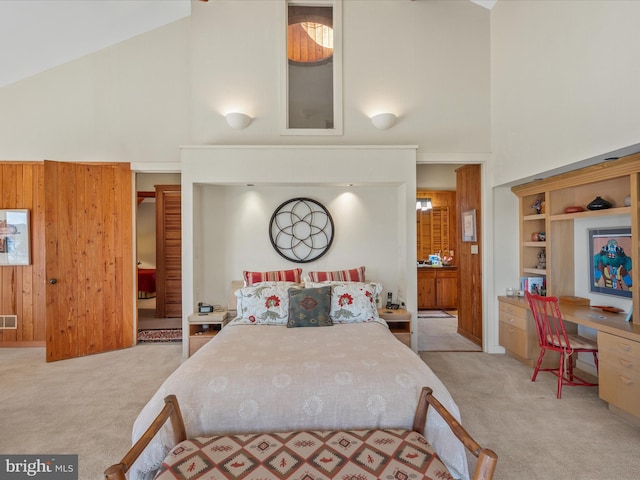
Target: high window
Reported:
[(313, 88)]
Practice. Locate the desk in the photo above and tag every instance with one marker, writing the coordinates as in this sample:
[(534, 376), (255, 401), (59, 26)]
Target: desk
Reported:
[(618, 347), (613, 323)]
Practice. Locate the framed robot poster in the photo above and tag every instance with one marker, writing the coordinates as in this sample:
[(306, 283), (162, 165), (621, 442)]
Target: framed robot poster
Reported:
[(610, 261)]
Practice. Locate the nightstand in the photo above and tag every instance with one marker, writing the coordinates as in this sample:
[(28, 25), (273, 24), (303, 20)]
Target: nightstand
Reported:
[(204, 326), (399, 322)]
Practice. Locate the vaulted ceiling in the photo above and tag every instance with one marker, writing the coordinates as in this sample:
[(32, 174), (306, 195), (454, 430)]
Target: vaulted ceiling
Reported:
[(37, 35)]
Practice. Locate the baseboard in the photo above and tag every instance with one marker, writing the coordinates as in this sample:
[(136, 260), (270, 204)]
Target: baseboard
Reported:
[(627, 417), (30, 344)]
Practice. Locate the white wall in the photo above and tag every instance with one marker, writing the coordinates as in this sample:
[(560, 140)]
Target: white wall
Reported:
[(436, 177), (236, 222), (225, 222), (564, 83), (127, 103), (428, 62)]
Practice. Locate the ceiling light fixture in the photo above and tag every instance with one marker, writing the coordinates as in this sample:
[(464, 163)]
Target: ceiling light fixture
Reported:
[(382, 121), (423, 204), (238, 120)]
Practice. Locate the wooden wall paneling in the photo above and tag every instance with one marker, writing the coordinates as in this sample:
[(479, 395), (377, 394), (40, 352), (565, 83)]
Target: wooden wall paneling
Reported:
[(38, 249), (21, 287), (25, 274), (468, 194)]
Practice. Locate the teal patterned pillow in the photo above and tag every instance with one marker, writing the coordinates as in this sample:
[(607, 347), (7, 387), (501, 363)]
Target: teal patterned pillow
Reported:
[(310, 307)]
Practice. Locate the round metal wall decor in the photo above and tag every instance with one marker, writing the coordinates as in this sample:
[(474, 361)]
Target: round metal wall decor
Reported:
[(301, 230)]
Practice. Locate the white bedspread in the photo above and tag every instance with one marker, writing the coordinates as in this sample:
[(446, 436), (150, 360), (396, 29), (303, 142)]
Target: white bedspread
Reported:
[(264, 378)]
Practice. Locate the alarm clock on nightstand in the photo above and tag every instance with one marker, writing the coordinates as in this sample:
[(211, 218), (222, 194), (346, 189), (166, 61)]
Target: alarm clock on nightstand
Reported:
[(205, 308)]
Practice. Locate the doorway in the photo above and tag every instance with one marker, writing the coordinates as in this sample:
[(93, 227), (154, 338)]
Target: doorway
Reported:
[(150, 322), (437, 324)]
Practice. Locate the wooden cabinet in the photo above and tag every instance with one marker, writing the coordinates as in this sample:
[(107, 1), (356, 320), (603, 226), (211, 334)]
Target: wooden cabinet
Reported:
[(619, 372), (447, 289), (203, 327), (437, 288), (399, 322), (613, 181), (518, 334)]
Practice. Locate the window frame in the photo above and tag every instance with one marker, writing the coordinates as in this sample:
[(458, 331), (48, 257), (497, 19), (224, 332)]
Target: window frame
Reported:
[(337, 70)]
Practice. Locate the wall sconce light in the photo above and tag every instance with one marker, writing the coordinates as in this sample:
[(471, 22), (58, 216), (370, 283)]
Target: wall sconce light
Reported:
[(382, 121), (238, 120), (423, 204)]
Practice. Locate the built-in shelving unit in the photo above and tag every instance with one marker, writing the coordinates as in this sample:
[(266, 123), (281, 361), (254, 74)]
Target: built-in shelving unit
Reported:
[(613, 181)]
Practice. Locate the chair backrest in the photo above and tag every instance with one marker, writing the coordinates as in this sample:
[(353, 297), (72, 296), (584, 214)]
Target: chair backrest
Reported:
[(548, 320)]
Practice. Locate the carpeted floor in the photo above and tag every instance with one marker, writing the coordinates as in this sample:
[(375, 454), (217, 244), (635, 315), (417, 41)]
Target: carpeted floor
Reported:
[(537, 436), (84, 406), (87, 406), (437, 334)]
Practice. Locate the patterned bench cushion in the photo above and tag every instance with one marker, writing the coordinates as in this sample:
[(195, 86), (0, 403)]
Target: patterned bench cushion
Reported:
[(315, 455)]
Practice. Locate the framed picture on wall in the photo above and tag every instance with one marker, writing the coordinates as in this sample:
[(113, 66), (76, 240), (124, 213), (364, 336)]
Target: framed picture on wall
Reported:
[(14, 237), (610, 266), (469, 226)]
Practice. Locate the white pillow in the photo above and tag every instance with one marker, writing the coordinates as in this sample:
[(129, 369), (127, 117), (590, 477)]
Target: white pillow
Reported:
[(352, 302), (264, 303)]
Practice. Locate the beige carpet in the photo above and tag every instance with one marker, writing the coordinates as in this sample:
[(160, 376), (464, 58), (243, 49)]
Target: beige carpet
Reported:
[(441, 335), (83, 406), (87, 406), (536, 436)]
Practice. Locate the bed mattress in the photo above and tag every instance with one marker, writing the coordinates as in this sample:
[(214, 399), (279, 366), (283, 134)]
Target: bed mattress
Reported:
[(268, 378)]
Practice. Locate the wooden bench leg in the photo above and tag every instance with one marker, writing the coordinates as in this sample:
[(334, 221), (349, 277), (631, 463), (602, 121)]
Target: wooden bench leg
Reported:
[(171, 410), (487, 459)]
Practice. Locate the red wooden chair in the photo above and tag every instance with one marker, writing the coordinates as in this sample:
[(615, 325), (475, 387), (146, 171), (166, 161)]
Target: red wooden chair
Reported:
[(553, 336)]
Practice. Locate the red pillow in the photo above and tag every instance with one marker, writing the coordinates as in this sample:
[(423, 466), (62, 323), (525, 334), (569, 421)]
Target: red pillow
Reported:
[(353, 275), (293, 275)]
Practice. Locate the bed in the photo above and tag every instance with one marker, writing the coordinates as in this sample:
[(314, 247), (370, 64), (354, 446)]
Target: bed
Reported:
[(266, 377), (146, 282)]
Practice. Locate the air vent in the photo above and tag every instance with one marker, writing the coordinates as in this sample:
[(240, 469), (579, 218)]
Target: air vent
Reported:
[(8, 322)]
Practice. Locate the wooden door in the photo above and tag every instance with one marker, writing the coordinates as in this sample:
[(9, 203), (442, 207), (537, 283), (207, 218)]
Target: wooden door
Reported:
[(469, 258), (89, 258), (168, 251)]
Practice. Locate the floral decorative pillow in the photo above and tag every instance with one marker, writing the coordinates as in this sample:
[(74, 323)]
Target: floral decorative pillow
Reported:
[(353, 302), (263, 304)]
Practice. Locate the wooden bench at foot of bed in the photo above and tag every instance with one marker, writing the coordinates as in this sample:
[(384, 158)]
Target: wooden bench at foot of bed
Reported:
[(362, 454)]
